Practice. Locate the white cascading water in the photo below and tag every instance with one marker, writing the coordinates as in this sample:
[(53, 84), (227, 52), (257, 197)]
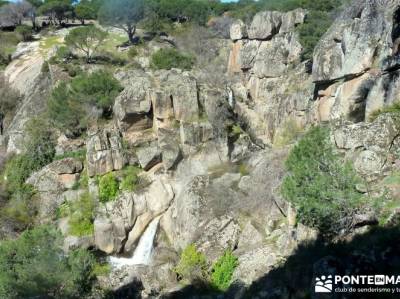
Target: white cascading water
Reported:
[(143, 251)]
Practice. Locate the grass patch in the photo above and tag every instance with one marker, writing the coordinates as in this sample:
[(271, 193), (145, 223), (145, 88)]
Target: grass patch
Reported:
[(48, 42), (108, 187), (79, 154)]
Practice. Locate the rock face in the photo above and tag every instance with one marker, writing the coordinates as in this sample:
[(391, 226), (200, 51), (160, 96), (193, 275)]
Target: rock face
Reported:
[(104, 152), (120, 223), (132, 107), (53, 183), (275, 87), (356, 60)]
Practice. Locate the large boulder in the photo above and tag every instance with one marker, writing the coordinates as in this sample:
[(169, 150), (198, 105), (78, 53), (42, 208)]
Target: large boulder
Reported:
[(148, 154), (181, 87), (104, 152), (238, 30), (132, 107), (53, 183), (353, 44)]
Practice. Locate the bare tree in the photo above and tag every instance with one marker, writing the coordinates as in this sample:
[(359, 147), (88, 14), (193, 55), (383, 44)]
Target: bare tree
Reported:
[(14, 13)]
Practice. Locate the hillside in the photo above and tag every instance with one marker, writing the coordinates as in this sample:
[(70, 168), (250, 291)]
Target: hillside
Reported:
[(155, 149)]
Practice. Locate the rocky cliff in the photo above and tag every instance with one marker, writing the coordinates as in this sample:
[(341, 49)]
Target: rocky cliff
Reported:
[(211, 158)]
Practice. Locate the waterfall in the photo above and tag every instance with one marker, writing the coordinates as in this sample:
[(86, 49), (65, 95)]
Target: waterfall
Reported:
[(143, 251)]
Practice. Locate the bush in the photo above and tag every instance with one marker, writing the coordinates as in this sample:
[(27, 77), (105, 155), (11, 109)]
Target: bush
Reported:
[(81, 216), (132, 52), (98, 89), (130, 178), (320, 185), (9, 98), (222, 271), (71, 106), (35, 266), (171, 58), (25, 32), (108, 187), (8, 44), (192, 265)]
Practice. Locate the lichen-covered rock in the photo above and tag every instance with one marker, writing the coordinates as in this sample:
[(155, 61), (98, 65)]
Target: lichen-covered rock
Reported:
[(109, 235), (52, 182), (181, 87), (168, 141), (265, 25), (148, 154), (132, 107), (355, 42), (378, 134), (238, 30), (104, 152)]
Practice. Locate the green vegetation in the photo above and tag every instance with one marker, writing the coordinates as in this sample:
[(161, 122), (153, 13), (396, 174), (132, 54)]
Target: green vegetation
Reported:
[(222, 271), (192, 265), (108, 187), (9, 97), (288, 134), (8, 44), (171, 58), (130, 178), (25, 32), (394, 108), (320, 185), (70, 106), (35, 266), (40, 152), (86, 39), (79, 154), (81, 216)]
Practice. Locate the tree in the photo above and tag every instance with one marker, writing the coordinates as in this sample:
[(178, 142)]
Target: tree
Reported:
[(86, 39), (56, 9), (320, 185), (14, 13), (84, 11), (35, 266), (123, 14)]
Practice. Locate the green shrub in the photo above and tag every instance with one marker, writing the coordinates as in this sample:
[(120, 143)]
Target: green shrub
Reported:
[(101, 269), (8, 44), (98, 89), (70, 105), (108, 187), (9, 97), (192, 265), (25, 32), (222, 271), (171, 58), (132, 52), (45, 68), (35, 266), (395, 108), (81, 216), (320, 185), (130, 178)]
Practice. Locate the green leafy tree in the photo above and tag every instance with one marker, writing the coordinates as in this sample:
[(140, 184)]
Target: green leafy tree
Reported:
[(25, 32), (56, 10), (86, 39), (123, 14), (320, 185), (70, 106), (85, 11), (222, 271), (35, 266)]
